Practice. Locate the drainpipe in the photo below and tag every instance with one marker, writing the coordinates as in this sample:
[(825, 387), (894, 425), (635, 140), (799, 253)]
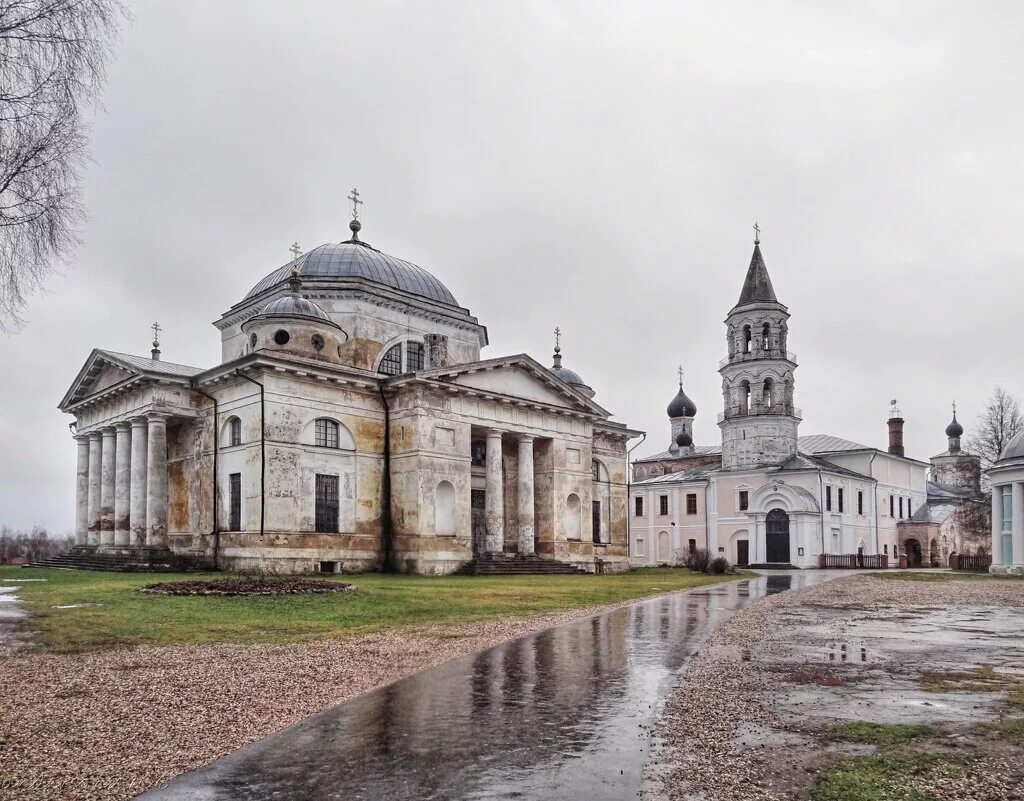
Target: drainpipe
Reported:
[(216, 448), (263, 449), (387, 556), (874, 502), (707, 530), (821, 505), (629, 485)]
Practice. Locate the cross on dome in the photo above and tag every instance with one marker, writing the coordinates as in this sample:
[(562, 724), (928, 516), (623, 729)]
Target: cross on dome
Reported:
[(156, 334), (356, 203), (296, 250), (558, 339), (680, 376), (757, 233)]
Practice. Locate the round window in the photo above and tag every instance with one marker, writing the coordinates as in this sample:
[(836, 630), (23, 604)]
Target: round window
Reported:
[(252, 340), (318, 342), (282, 337)]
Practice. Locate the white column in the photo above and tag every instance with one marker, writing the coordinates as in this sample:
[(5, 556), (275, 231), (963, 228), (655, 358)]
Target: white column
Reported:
[(122, 484), (997, 525), (137, 502), (95, 471), (82, 491), (495, 490), (525, 495), (107, 488), (156, 482), (1018, 524)]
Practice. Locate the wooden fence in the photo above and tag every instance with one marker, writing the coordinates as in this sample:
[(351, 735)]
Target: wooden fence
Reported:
[(853, 561), (972, 564)]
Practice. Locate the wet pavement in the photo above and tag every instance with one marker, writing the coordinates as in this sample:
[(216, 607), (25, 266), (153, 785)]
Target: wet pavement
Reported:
[(11, 614), (564, 712)]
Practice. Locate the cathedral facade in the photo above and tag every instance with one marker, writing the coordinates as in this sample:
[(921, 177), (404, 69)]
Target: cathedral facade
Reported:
[(768, 496), (351, 425)]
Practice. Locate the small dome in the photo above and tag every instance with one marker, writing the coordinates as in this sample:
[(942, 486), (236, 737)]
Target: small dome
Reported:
[(682, 406), (292, 306), (684, 440), (1014, 448), (954, 429), (570, 377)]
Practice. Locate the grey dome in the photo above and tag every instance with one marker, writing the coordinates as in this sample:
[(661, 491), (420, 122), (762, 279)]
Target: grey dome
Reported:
[(682, 406), (570, 377), (1014, 448), (684, 440), (358, 260), (295, 305), (954, 429)]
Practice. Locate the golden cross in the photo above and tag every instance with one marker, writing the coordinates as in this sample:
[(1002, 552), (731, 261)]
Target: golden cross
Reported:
[(356, 203)]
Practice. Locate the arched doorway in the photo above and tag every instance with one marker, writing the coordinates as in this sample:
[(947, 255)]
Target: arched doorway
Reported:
[(933, 554), (913, 550), (777, 537), (664, 547)]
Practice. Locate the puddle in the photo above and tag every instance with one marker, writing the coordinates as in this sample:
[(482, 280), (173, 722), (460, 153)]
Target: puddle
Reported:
[(11, 614)]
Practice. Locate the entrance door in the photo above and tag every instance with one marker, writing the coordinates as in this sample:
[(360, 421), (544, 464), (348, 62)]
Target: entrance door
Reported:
[(913, 549), (742, 552), (777, 537), (478, 503)]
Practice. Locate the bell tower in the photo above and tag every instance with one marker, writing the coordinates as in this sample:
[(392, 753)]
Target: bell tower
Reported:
[(759, 422)]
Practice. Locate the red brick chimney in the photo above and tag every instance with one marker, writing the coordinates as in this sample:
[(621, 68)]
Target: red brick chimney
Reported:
[(895, 430)]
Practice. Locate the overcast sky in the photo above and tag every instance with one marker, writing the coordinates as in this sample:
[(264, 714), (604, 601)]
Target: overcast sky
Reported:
[(592, 166)]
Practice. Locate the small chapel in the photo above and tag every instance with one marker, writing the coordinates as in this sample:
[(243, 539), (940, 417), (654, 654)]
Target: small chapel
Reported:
[(768, 496), (351, 425)]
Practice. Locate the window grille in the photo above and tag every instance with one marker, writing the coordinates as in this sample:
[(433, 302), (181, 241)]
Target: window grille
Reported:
[(235, 502), (326, 434), (391, 364), (326, 504), (413, 356), (663, 504), (235, 432)]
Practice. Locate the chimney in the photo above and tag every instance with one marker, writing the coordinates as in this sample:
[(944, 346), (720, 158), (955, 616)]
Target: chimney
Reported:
[(895, 430)]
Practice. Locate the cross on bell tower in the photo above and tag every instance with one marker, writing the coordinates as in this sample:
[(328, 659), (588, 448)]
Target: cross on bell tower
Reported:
[(155, 353)]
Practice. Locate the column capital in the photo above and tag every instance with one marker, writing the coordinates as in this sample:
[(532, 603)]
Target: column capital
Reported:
[(108, 431), (158, 417), (94, 436), (80, 438), (124, 425), (139, 422), (526, 437)]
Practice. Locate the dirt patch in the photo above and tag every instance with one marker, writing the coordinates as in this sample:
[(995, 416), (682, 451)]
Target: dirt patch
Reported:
[(247, 586), (923, 708)]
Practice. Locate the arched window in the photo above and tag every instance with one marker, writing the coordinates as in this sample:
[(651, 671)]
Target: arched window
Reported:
[(745, 397), (766, 333), (234, 431), (444, 509), (573, 518), (746, 339), (391, 364), (766, 393), (326, 433)]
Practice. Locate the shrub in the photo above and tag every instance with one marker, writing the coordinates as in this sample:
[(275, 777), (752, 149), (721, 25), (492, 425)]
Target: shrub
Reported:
[(697, 560), (718, 566)]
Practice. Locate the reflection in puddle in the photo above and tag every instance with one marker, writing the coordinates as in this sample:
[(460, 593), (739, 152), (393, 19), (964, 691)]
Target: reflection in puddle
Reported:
[(568, 707)]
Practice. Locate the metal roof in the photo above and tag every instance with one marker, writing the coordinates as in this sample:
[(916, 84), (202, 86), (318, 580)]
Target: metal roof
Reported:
[(693, 474), (295, 306), (826, 443), (359, 260), (152, 365), (757, 287)]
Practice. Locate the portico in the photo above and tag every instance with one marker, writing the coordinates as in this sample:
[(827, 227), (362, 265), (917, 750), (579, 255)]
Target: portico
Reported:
[(1007, 476)]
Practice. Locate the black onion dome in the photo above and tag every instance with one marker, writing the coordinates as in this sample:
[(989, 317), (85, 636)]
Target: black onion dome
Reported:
[(684, 440), (682, 406), (954, 429)]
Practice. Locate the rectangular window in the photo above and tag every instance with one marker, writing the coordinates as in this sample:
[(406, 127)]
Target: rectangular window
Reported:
[(663, 504), (413, 356), (1007, 508), (828, 497), (326, 433), (693, 546), (901, 508), (639, 503), (908, 509), (892, 512), (839, 499), (885, 549), (235, 502), (326, 504), (596, 512), (860, 502), (691, 503), (744, 500)]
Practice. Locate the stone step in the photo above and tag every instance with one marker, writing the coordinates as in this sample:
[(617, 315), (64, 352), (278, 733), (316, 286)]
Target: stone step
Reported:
[(518, 566)]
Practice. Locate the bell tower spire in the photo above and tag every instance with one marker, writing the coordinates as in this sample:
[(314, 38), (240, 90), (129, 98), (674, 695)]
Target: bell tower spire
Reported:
[(759, 421)]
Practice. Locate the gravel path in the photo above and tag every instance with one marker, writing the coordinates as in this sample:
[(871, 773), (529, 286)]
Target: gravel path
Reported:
[(110, 724), (730, 733)]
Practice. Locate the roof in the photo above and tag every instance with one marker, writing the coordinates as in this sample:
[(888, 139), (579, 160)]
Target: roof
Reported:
[(295, 306), (151, 365), (757, 287), (355, 259), (681, 405), (85, 382), (811, 444), (803, 461), (693, 474), (1014, 448)]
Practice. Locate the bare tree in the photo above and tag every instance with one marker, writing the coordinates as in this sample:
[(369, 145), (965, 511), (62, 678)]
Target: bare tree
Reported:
[(996, 426), (53, 55)]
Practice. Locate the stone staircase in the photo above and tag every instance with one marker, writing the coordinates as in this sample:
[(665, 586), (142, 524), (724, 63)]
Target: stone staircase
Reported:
[(501, 565), (86, 558)]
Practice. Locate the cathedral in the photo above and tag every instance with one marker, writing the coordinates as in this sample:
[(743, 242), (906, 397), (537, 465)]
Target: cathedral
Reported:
[(768, 496), (351, 425)]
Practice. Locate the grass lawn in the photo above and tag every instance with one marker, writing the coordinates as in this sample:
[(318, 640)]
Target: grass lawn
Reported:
[(122, 615)]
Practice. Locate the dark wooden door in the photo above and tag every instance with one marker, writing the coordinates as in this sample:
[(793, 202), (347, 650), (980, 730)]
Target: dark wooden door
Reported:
[(478, 503), (777, 537), (742, 552), (596, 519)]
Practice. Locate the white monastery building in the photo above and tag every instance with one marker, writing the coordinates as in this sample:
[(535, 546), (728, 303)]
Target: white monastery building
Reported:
[(768, 496), (351, 425)]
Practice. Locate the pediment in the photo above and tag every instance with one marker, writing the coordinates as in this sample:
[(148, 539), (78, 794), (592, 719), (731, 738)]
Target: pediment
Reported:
[(99, 372), (517, 377)]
